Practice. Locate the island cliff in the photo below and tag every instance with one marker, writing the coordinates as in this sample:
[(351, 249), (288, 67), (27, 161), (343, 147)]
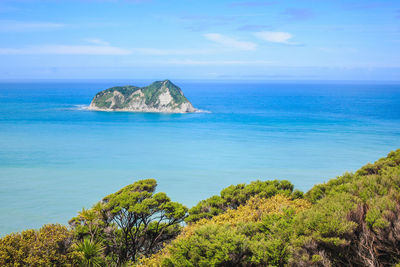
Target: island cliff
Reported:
[(160, 96)]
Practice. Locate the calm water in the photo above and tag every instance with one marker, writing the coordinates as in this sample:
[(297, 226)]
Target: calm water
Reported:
[(56, 158)]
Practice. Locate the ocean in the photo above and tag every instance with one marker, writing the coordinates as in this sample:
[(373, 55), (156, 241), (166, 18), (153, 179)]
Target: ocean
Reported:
[(56, 157)]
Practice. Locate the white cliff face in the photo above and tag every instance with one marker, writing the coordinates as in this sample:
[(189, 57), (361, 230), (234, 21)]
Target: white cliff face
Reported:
[(187, 107), (165, 98), (136, 101)]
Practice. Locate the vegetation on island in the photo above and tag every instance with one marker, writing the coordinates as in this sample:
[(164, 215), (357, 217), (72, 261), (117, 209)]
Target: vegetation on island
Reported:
[(127, 93), (352, 220), (101, 98), (153, 91)]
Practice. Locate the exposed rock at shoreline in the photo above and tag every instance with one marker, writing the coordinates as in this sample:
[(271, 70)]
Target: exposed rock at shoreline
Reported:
[(160, 96)]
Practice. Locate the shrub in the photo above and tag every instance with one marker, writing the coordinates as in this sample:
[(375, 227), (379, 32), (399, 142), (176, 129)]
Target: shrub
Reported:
[(255, 234), (355, 220), (48, 246), (236, 195)]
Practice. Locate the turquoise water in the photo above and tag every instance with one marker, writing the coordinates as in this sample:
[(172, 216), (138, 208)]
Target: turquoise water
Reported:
[(56, 157)]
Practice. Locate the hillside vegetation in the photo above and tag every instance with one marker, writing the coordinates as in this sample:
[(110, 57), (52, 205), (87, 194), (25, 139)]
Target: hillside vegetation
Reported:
[(352, 220), (160, 96)]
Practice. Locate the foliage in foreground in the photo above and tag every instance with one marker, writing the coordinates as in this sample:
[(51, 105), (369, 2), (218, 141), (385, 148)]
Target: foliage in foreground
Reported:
[(353, 220), (90, 253), (235, 195), (130, 223), (255, 234), (48, 246)]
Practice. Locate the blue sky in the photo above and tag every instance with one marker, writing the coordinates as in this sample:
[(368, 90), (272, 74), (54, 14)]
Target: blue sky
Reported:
[(191, 39)]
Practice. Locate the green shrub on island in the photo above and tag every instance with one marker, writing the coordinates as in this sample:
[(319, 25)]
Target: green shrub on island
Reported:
[(160, 96), (352, 220)]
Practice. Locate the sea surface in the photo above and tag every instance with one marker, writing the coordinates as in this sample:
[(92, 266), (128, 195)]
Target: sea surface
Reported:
[(56, 157)]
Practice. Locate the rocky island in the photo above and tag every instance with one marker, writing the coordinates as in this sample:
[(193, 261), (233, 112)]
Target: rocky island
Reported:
[(160, 96)]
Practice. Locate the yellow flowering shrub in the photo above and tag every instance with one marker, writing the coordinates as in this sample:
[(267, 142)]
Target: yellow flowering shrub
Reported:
[(248, 216), (48, 246)]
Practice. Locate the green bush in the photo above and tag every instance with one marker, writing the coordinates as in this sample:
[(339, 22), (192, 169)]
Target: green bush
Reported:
[(235, 195), (354, 220), (48, 246)]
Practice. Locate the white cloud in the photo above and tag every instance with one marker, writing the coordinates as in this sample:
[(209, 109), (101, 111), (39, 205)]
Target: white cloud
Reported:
[(65, 50), (230, 42), (275, 37), (11, 25), (100, 47), (216, 62), (97, 41), (172, 52), (162, 52)]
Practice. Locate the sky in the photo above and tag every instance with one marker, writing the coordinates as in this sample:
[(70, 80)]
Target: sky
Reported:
[(192, 39)]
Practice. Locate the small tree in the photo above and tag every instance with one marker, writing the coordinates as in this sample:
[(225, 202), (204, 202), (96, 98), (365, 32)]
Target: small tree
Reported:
[(90, 253), (135, 221)]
